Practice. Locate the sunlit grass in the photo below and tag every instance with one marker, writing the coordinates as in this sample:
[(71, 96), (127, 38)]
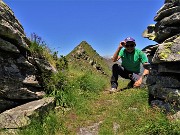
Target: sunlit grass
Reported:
[(128, 109), (133, 115)]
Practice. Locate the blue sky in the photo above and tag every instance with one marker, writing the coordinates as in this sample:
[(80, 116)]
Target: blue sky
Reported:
[(63, 24)]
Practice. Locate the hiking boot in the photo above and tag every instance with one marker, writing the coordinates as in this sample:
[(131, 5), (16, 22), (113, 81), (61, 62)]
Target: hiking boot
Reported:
[(112, 90)]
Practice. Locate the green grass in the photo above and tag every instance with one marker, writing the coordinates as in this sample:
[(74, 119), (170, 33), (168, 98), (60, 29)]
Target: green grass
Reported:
[(48, 125), (84, 100), (129, 109), (88, 104), (134, 116), (75, 93)]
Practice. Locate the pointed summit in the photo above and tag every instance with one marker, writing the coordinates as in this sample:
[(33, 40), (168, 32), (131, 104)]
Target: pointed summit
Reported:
[(86, 58), (83, 42)]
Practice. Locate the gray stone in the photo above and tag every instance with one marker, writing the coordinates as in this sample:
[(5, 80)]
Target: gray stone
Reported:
[(44, 65), (164, 81), (169, 67), (7, 46), (166, 12), (10, 27), (171, 39), (149, 32), (167, 52), (167, 94), (6, 104), (20, 116), (164, 32), (31, 80), (169, 4), (171, 20), (90, 130), (172, 1), (176, 116), (166, 107), (14, 74)]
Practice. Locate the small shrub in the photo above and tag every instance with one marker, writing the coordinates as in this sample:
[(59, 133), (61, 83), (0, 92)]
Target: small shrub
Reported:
[(47, 125), (39, 49), (161, 127), (55, 86), (54, 83), (91, 82), (61, 63)]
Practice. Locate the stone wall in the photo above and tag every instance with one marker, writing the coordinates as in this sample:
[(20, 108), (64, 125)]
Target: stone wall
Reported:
[(20, 74), (164, 79)]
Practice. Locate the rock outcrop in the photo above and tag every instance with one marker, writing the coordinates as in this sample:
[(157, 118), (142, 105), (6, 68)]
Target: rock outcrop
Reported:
[(20, 73), (164, 78)]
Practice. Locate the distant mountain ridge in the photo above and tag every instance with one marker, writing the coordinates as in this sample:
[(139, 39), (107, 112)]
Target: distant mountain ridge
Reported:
[(85, 58)]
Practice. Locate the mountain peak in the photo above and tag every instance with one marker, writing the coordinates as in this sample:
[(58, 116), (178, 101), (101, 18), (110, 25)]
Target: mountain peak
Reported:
[(84, 56), (83, 42), (85, 45)]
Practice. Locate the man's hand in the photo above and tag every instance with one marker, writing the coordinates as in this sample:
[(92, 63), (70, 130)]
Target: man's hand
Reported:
[(122, 44), (138, 83)]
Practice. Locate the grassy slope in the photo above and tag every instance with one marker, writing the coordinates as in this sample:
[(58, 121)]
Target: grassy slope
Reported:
[(129, 109)]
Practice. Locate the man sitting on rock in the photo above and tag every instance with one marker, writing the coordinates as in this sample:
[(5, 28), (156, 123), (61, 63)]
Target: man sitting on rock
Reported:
[(130, 66)]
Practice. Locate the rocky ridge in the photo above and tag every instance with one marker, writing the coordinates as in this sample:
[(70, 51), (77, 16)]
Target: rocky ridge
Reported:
[(164, 79)]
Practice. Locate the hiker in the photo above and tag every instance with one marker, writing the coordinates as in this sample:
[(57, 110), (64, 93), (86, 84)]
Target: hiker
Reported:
[(130, 66)]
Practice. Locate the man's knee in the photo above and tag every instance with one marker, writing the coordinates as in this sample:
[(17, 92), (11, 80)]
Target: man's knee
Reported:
[(115, 67)]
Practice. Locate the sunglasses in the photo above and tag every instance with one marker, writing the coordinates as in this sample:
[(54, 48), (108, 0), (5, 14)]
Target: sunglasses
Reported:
[(130, 45)]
